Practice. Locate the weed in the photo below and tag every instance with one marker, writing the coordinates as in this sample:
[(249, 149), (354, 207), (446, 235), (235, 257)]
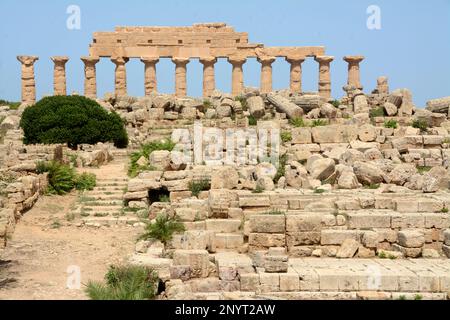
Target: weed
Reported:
[(162, 229), (252, 121), (198, 186), (420, 124), (297, 122), (391, 124), (319, 123), (274, 212), (423, 169), (376, 112)]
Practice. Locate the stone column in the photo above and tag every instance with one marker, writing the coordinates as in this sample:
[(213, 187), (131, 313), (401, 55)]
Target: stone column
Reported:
[(296, 73), (266, 73), (150, 74), (237, 84), (90, 76), (353, 71), (209, 78), (120, 75), (59, 76), (324, 76), (180, 76), (28, 79)]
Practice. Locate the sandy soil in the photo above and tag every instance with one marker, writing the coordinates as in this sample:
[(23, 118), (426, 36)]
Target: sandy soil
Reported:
[(45, 244)]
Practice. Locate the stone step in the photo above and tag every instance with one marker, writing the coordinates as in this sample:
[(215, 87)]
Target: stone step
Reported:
[(109, 221), (119, 184), (101, 209), (104, 189), (103, 196), (228, 241), (223, 225)]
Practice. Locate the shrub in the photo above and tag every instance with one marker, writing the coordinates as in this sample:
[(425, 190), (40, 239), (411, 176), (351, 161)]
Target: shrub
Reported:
[(252, 121), (85, 181), (274, 212), (258, 189), (207, 104), (286, 136), (145, 151), (73, 120), (297, 122), (420, 124), (243, 101), (125, 283), (281, 170), (376, 112), (391, 124), (372, 186), (61, 178), (318, 190), (319, 123), (164, 198), (336, 103), (198, 186), (162, 229), (423, 169)]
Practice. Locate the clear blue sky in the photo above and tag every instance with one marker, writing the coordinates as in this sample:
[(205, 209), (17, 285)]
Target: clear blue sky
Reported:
[(412, 48)]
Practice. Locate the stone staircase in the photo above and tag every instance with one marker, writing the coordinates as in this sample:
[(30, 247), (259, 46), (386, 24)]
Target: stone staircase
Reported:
[(103, 206)]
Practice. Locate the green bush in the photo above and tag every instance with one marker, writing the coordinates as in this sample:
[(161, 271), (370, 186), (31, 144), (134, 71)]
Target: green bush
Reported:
[(125, 283), (274, 212), (286, 136), (281, 169), (336, 103), (376, 112), (63, 179), (85, 181), (145, 151), (423, 169), (319, 123), (258, 189), (198, 186), (73, 120), (420, 124), (162, 229), (297, 122), (391, 124), (243, 101), (252, 121)]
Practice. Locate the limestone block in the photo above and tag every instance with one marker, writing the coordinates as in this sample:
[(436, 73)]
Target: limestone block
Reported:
[(301, 135), (337, 237), (224, 178), (348, 249), (267, 223), (198, 260), (302, 238), (411, 238), (289, 282), (447, 237), (276, 263), (367, 133), (321, 168), (266, 240), (303, 222), (256, 106), (367, 219), (249, 281)]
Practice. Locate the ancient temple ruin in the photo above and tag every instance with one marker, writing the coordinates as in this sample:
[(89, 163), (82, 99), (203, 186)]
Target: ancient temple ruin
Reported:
[(206, 42)]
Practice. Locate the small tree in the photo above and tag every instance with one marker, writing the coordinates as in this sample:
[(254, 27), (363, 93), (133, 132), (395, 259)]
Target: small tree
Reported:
[(162, 229), (73, 120)]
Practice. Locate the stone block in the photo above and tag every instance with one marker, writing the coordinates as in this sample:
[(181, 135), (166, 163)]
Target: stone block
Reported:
[(228, 240), (348, 249), (411, 238), (289, 282), (223, 225), (249, 282), (302, 238), (303, 222), (266, 240), (367, 219), (198, 260), (276, 264), (267, 223), (337, 237)]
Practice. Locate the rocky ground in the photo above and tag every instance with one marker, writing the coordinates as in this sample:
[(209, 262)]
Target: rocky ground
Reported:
[(45, 244)]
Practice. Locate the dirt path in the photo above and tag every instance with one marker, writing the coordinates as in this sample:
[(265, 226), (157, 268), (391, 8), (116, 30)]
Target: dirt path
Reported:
[(45, 244)]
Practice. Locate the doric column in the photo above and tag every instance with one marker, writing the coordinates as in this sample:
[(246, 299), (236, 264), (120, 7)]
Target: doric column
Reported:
[(353, 70), (237, 82), (28, 79), (120, 75), (266, 73), (324, 76), (90, 76), (150, 74), (180, 76), (209, 78), (296, 73), (59, 76)]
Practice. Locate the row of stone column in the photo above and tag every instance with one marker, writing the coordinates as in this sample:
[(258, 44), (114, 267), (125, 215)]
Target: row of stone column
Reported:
[(90, 83)]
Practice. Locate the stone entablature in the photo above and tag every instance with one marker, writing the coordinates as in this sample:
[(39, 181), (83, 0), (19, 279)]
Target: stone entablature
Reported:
[(206, 42)]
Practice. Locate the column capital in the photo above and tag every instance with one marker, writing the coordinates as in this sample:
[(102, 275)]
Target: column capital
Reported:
[(119, 60), (353, 59), (180, 60), (60, 59), (90, 60), (236, 60), (27, 60), (151, 60), (266, 60), (324, 59), (208, 60), (295, 59)]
